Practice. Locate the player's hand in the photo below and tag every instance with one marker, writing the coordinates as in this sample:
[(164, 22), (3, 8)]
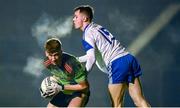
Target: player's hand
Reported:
[(55, 89), (59, 87), (77, 58), (49, 93), (43, 94)]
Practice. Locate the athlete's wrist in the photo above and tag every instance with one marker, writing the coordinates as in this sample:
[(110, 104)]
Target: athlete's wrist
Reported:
[(61, 87)]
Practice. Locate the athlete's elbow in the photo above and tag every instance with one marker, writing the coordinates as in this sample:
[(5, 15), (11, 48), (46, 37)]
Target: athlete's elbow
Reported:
[(89, 64), (85, 86)]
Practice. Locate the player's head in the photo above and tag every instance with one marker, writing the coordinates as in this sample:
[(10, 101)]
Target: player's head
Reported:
[(53, 45), (83, 13), (53, 50), (87, 10)]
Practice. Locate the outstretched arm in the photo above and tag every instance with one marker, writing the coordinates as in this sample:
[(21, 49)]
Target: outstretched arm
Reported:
[(82, 58), (89, 58)]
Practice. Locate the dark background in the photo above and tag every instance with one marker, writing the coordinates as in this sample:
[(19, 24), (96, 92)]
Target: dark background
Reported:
[(126, 19)]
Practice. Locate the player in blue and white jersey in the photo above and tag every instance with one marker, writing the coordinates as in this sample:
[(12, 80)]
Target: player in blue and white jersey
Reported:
[(110, 56)]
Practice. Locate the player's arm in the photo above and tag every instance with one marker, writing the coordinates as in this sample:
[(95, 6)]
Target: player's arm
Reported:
[(80, 77), (90, 59), (82, 58), (78, 87), (89, 46), (84, 85)]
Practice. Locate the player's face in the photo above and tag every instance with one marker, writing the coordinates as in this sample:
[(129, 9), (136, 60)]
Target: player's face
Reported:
[(78, 20), (54, 57)]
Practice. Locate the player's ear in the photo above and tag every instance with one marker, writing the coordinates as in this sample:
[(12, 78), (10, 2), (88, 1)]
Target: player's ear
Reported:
[(85, 19), (46, 53)]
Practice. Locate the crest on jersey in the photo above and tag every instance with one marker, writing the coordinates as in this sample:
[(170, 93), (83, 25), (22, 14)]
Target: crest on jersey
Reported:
[(68, 68)]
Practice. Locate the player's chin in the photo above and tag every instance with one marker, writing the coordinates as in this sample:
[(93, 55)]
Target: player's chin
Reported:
[(56, 62), (76, 27)]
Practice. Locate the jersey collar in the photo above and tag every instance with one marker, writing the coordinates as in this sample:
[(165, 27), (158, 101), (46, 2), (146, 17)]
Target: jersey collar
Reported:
[(86, 28)]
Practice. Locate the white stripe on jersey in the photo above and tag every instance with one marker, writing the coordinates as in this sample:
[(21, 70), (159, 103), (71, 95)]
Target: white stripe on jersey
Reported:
[(107, 48)]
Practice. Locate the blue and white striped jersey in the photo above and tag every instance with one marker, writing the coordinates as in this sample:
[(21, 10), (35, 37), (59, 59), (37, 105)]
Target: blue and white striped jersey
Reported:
[(100, 44)]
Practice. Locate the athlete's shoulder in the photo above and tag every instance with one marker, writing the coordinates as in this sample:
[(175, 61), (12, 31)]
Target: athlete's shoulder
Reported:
[(70, 61), (67, 56), (93, 26), (92, 31)]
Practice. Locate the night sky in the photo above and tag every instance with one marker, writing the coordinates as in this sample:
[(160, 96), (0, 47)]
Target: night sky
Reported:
[(21, 47)]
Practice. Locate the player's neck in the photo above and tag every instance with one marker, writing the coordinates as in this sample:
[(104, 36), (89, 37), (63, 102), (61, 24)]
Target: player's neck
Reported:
[(85, 24)]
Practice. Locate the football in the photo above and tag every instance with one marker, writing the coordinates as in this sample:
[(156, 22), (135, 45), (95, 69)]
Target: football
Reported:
[(49, 81)]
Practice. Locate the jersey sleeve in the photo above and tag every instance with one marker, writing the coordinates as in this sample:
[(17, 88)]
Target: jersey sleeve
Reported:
[(89, 46), (88, 40), (82, 58), (80, 74), (90, 59)]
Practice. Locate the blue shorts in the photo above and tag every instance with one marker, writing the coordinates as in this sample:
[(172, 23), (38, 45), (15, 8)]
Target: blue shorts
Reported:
[(124, 70)]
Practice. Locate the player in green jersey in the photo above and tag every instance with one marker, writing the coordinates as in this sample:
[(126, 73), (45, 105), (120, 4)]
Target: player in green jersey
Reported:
[(73, 88)]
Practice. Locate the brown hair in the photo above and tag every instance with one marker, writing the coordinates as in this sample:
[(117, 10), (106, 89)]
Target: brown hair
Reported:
[(52, 45), (86, 9)]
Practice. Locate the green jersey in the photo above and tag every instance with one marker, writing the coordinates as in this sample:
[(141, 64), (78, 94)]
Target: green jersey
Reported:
[(71, 70)]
